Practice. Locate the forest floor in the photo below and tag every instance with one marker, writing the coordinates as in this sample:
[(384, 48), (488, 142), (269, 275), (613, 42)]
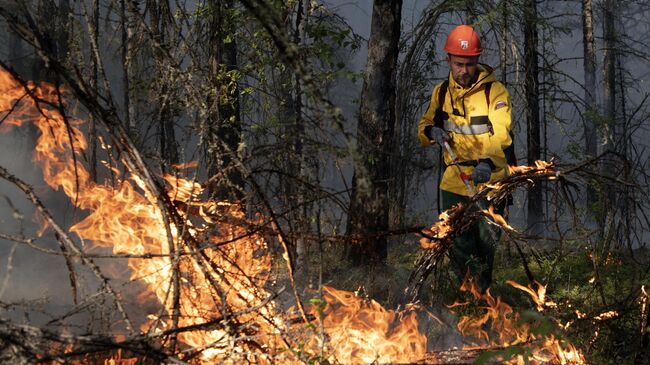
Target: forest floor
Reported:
[(584, 287)]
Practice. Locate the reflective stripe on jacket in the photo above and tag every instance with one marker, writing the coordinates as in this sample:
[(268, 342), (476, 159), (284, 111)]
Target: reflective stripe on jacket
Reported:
[(477, 130)]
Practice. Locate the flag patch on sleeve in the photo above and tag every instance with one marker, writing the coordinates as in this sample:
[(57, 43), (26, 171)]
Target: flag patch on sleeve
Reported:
[(500, 104)]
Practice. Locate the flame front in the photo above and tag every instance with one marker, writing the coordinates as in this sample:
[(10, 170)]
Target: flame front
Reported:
[(213, 279), (206, 275)]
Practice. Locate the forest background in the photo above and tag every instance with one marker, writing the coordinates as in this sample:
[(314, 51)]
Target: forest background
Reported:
[(306, 113)]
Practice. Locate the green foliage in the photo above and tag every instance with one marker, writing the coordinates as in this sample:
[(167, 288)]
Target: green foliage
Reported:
[(569, 273)]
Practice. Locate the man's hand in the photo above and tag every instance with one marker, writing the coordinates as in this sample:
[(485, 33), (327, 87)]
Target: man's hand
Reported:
[(482, 173), (437, 134)]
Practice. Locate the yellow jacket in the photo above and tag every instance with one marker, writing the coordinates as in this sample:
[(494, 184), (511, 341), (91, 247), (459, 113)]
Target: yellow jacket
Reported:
[(478, 131)]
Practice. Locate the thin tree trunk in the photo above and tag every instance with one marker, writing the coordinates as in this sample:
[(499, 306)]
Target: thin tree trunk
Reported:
[(302, 249), (160, 13), (223, 120), (369, 205), (609, 68), (63, 31), (503, 47), (609, 103), (626, 201), (127, 58), (93, 80), (531, 84), (589, 52)]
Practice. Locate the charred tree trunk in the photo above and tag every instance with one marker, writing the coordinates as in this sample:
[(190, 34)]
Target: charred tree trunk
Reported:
[(531, 84), (369, 205), (224, 127)]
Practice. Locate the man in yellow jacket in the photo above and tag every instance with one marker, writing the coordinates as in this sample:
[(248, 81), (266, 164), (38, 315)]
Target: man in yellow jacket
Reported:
[(471, 111)]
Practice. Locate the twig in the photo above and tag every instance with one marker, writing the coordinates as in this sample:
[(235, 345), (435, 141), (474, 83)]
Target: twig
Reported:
[(63, 237)]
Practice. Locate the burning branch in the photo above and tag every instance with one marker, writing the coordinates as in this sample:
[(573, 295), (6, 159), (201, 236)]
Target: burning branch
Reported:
[(133, 159), (453, 222), (190, 280)]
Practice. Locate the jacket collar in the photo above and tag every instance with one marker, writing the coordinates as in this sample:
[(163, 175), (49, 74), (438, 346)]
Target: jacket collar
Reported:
[(485, 74)]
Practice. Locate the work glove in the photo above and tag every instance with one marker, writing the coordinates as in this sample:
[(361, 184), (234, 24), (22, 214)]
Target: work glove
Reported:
[(437, 134), (482, 173)]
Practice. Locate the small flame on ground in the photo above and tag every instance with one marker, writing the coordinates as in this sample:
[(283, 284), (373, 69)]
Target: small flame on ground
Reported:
[(499, 327), (361, 331)]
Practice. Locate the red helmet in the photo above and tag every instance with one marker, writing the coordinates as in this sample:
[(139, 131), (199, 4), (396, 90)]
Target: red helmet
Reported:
[(463, 41)]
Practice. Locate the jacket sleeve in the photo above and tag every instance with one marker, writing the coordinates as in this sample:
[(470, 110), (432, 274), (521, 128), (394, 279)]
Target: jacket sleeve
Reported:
[(499, 114), (427, 118)]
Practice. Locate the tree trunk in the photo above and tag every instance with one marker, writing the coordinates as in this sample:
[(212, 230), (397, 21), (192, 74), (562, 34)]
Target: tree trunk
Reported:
[(609, 105), (93, 81), (368, 213), (224, 123), (590, 77), (503, 47), (609, 68), (160, 13), (127, 54), (304, 210), (589, 52), (531, 85)]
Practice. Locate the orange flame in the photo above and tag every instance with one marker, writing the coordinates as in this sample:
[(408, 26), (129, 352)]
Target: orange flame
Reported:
[(538, 296), (361, 331), (497, 218), (216, 280), (439, 230), (498, 326), (644, 308), (222, 269), (541, 167)]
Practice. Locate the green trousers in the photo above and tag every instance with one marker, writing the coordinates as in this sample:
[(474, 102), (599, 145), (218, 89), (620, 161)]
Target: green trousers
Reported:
[(473, 251)]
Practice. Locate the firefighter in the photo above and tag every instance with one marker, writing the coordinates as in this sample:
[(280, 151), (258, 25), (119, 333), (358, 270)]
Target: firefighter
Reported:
[(471, 111)]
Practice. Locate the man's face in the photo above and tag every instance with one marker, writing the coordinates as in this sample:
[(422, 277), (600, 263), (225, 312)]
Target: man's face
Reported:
[(464, 69)]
